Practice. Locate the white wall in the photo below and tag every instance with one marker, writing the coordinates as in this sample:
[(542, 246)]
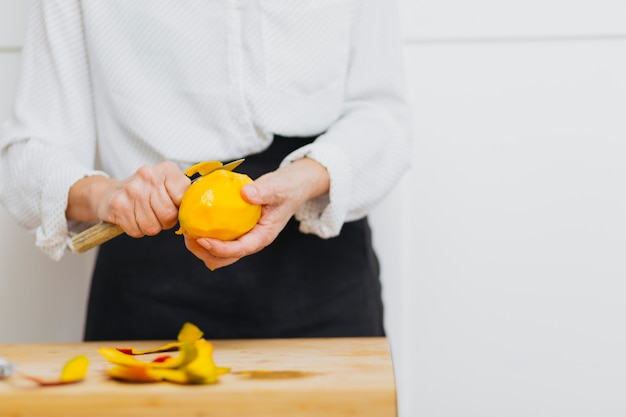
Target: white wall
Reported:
[(513, 289), (501, 249)]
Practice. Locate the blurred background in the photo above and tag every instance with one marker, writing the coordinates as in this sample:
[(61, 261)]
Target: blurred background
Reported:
[(502, 250)]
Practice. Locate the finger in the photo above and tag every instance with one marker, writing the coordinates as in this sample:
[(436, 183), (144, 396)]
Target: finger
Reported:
[(251, 194), (273, 191), (130, 226), (144, 188), (251, 242), (146, 218), (176, 183), (212, 262), (220, 263), (129, 204), (122, 213), (226, 249), (265, 190), (165, 210), (194, 247), (170, 187)]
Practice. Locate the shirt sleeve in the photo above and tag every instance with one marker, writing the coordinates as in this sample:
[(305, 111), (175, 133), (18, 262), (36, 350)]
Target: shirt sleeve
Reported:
[(49, 143), (367, 150)]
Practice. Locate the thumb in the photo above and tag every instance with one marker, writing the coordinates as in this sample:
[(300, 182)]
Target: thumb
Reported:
[(252, 194), (265, 190)]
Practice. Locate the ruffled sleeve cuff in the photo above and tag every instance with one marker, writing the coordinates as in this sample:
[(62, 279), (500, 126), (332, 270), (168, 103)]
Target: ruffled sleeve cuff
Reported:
[(324, 216), (53, 234)]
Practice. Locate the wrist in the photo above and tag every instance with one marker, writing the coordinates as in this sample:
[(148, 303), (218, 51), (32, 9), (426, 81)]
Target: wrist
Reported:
[(84, 197), (313, 178)]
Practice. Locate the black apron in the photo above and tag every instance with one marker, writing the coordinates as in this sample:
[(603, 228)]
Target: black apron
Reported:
[(299, 286)]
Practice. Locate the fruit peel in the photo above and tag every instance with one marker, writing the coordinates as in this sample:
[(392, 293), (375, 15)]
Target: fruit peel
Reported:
[(75, 370), (193, 365)]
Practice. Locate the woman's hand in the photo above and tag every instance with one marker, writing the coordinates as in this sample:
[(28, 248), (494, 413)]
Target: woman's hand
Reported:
[(280, 193), (143, 204)]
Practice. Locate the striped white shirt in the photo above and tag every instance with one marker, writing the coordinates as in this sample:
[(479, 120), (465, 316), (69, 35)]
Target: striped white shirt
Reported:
[(118, 84)]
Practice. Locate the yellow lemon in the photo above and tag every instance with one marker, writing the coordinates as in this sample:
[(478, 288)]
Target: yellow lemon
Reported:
[(213, 207)]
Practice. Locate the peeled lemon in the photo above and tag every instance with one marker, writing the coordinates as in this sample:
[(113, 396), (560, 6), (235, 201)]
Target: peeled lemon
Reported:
[(213, 207)]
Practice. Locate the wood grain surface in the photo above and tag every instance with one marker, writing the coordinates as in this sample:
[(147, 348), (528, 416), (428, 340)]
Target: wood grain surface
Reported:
[(95, 236), (298, 377)]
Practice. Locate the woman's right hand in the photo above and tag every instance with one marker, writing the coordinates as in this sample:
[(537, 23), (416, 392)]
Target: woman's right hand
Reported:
[(143, 204)]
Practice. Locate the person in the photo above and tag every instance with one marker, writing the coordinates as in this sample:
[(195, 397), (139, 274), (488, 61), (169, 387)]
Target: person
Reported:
[(115, 99)]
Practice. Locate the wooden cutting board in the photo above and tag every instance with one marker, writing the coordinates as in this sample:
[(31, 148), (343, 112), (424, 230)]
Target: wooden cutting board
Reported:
[(318, 377)]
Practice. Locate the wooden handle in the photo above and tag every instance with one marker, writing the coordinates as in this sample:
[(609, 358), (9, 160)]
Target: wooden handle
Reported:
[(95, 236)]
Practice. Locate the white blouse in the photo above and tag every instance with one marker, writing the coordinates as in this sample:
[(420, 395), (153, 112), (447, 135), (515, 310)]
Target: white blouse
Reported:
[(118, 84)]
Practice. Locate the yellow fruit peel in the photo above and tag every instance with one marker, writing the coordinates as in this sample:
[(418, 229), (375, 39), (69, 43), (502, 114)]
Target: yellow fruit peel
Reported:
[(74, 370), (203, 168), (203, 370), (169, 347), (188, 333), (193, 365)]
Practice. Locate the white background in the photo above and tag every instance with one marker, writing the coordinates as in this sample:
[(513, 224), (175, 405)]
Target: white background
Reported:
[(502, 249)]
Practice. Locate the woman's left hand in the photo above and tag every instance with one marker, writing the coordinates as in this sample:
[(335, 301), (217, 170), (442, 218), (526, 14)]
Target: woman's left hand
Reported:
[(280, 193)]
